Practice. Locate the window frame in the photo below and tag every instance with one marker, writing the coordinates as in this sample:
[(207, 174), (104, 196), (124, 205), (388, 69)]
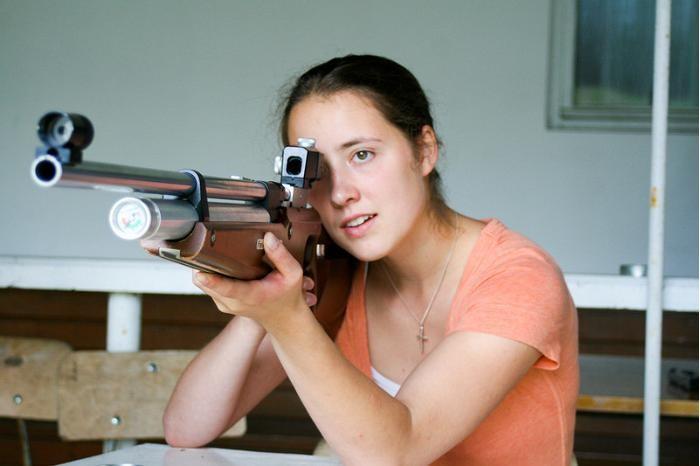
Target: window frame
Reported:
[(562, 113)]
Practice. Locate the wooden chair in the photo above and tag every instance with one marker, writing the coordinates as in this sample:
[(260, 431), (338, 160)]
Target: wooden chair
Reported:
[(119, 395), (29, 372)]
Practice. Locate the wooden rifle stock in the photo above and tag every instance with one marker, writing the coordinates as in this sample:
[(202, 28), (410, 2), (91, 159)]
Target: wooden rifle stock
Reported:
[(235, 250)]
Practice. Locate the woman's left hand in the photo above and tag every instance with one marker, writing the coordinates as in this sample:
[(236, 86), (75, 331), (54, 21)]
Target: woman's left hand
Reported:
[(285, 289)]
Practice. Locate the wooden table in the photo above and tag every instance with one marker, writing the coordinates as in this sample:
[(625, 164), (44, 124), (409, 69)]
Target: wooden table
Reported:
[(615, 384), (149, 454)]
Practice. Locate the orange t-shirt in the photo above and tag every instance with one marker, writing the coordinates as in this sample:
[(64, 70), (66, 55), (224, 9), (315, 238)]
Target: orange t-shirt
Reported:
[(510, 288)]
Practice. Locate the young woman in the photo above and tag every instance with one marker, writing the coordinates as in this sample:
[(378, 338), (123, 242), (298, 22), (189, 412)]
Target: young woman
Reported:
[(459, 341)]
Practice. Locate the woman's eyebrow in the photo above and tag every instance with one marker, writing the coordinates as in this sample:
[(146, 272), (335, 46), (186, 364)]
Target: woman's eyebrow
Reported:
[(354, 142)]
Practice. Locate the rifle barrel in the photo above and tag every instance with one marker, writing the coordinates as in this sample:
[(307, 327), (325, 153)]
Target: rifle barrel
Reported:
[(48, 171)]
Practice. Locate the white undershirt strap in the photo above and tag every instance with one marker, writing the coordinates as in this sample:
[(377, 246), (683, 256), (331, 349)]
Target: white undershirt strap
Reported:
[(386, 384)]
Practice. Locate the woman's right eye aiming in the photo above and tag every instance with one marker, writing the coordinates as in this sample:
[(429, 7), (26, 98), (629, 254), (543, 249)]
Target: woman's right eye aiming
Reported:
[(362, 156)]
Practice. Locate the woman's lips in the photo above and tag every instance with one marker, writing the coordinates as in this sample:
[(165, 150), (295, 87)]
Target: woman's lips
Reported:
[(358, 226)]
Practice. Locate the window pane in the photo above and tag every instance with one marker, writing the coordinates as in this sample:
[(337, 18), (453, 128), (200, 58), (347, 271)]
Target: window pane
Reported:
[(615, 53)]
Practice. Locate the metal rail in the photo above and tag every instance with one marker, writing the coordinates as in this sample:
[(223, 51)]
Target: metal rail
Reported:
[(654, 313), (47, 171)]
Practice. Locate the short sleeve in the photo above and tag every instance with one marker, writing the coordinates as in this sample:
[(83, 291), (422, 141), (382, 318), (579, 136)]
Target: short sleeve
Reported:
[(521, 295)]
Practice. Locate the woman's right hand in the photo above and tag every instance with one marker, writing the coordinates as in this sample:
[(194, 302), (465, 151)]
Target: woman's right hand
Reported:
[(270, 300)]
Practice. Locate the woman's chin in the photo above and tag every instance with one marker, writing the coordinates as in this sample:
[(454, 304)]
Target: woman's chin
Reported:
[(364, 254), (364, 249)]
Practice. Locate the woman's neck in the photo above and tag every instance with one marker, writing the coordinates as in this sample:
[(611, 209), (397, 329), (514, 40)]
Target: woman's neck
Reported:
[(417, 262)]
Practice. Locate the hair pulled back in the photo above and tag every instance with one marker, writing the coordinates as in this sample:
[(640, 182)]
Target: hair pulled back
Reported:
[(393, 90)]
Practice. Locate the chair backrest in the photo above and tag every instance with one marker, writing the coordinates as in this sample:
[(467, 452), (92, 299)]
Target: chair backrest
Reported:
[(29, 372), (119, 395)]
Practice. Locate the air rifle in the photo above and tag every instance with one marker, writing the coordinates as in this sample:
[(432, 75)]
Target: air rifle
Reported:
[(206, 223)]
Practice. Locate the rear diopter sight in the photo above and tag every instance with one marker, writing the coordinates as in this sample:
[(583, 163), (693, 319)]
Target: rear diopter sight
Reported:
[(67, 130)]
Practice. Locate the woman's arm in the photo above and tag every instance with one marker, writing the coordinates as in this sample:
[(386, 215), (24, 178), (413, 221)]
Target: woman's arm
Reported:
[(238, 369), (441, 402), (222, 383)]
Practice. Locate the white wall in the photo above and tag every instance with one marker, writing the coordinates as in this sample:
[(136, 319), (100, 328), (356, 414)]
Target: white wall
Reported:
[(184, 84)]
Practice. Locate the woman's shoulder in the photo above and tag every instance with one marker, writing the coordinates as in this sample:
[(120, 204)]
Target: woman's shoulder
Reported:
[(507, 266), (502, 248), (514, 289)]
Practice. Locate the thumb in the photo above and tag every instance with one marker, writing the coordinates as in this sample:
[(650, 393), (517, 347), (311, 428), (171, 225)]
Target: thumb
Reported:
[(279, 256)]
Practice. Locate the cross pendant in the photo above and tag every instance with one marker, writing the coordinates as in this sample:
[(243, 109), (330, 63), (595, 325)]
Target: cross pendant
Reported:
[(421, 338)]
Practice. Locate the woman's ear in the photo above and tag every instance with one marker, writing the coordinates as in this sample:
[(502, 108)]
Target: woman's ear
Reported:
[(429, 149)]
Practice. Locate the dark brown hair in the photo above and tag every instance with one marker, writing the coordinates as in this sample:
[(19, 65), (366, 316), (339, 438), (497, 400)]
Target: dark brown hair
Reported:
[(393, 90)]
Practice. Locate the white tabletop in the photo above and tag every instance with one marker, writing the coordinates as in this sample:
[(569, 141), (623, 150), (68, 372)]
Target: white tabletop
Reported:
[(159, 276), (149, 454)]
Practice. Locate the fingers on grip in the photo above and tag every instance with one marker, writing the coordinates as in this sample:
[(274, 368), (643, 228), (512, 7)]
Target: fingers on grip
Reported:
[(280, 257)]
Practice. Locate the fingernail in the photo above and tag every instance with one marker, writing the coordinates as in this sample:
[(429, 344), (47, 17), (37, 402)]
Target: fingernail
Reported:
[(271, 241), (310, 299), (201, 278)]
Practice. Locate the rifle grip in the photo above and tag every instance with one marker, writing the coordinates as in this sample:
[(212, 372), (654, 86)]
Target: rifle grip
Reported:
[(234, 249)]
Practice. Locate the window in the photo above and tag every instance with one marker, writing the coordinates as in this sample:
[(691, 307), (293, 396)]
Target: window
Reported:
[(602, 61)]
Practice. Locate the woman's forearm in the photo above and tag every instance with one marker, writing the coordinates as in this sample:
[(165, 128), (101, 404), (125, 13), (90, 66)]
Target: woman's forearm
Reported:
[(205, 398), (362, 423)]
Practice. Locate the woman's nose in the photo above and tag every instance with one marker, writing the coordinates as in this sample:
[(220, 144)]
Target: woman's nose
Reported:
[(343, 190)]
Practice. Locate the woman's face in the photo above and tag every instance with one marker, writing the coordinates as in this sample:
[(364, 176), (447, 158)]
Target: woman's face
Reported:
[(374, 191)]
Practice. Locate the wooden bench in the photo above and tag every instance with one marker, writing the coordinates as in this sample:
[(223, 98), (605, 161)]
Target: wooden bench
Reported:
[(29, 372), (92, 395), (120, 395), (615, 384)]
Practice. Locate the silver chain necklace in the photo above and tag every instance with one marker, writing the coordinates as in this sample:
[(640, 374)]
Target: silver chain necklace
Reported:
[(421, 322)]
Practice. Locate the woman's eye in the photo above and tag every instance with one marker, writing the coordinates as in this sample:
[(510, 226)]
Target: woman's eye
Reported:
[(363, 156)]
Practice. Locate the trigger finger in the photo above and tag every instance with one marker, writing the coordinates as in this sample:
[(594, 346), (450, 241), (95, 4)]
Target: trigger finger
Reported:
[(310, 299), (308, 284)]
